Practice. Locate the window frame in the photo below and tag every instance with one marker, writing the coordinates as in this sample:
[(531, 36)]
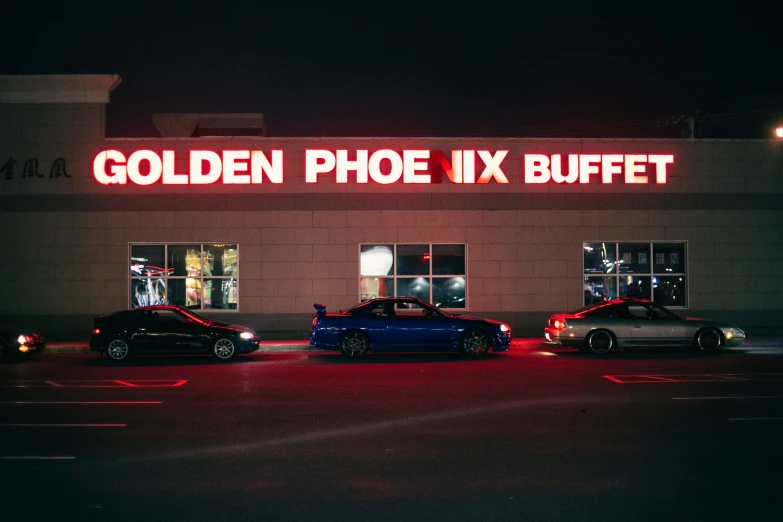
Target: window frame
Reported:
[(394, 276), (201, 277), (616, 273)]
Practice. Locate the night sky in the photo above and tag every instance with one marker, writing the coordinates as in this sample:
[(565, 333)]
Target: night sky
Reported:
[(397, 69)]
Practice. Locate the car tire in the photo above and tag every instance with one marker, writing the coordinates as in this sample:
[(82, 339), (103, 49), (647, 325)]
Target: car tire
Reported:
[(708, 340), (117, 350), (354, 343), (474, 343), (224, 349), (600, 342)]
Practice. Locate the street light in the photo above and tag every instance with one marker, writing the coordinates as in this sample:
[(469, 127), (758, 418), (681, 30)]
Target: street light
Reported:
[(779, 132)]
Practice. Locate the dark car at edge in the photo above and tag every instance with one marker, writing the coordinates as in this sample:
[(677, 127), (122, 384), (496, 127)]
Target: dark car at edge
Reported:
[(168, 329), (16, 343)]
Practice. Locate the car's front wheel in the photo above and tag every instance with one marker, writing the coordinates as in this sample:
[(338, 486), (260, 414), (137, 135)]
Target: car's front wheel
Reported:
[(600, 342), (708, 340), (224, 349), (475, 343), (354, 344), (117, 350)]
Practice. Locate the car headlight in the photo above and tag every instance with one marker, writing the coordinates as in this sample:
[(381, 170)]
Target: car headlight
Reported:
[(734, 332), (246, 335), (505, 328)]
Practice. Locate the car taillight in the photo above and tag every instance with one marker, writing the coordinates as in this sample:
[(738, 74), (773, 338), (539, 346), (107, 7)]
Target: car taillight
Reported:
[(24, 339), (96, 331), (557, 324)]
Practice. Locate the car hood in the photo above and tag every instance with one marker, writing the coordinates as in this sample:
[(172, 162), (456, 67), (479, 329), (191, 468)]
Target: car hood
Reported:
[(702, 320), (474, 318), (237, 327)]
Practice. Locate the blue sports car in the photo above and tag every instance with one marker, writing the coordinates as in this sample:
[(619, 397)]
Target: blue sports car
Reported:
[(405, 324)]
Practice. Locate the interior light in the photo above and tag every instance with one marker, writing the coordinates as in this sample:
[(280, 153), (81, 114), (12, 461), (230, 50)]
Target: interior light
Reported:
[(377, 261)]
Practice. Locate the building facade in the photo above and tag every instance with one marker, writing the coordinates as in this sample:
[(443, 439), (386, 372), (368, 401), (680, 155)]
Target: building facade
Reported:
[(254, 229)]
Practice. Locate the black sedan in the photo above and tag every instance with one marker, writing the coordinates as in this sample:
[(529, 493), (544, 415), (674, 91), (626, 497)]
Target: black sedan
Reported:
[(168, 329), (18, 342)]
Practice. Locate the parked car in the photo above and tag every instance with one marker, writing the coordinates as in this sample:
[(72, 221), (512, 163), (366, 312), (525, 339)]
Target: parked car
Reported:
[(168, 329), (18, 342), (405, 325), (602, 327)]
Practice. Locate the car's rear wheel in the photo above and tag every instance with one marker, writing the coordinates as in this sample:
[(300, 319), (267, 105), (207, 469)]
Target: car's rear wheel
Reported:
[(600, 342), (224, 349), (708, 340), (117, 350), (474, 343), (354, 343)]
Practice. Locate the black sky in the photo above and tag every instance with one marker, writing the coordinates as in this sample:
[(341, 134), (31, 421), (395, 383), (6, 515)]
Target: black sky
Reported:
[(586, 69)]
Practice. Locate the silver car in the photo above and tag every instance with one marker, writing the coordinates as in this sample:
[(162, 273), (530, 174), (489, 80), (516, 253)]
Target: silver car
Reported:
[(600, 328)]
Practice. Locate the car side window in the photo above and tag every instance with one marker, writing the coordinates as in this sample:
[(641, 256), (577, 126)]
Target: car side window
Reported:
[(167, 318), (410, 308)]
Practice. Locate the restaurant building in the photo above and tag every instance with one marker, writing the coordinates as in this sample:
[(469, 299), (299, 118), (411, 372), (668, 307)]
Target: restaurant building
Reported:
[(217, 216)]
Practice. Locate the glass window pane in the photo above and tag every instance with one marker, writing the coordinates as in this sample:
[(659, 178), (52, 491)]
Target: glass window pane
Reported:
[(634, 258), (414, 287), (220, 294), (635, 286), (669, 258), (147, 260), (448, 259), (377, 260), (413, 259), (185, 292), (598, 289), (670, 291), (184, 260), (600, 258), (220, 260), (448, 292), (373, 287), (148, 291)]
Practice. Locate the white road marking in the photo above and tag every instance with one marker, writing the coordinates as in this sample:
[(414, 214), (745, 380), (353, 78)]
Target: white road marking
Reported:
[(37, 458), (81, 402), (726, 398), (15, 425)]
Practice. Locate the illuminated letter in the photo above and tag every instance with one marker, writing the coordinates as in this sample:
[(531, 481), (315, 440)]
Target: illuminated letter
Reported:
[(375, 166), (585, 167), (231, 166), (259, 164), (660, 166), (536, 168), (573, 169), (169, 175), (414, 160), (344, 165), (197, 157), (468, 166), (156, 167), (632, 167), (119, 173), (492, 166), (317, 161), (438, 162), (610, 165)]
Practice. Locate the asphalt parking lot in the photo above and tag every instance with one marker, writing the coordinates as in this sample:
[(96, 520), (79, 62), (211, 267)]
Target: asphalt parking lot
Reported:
[(534, 434)]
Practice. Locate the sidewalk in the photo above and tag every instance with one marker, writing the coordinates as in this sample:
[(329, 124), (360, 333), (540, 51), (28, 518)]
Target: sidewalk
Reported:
[(298, 345)]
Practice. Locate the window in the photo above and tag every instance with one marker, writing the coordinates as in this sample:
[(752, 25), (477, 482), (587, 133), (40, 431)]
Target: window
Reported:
[(435, 273), (647, 270), (196, 276)]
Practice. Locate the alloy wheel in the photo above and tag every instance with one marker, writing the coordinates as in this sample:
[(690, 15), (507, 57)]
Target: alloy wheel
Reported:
[(475, 343), (708, 341), (354, 344), (224, 349), (600, 342), (117, 350)]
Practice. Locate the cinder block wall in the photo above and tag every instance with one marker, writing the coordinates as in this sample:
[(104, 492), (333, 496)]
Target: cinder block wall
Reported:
[(64, 241)]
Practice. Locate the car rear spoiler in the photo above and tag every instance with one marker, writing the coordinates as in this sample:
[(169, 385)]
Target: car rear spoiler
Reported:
[(320, 309)]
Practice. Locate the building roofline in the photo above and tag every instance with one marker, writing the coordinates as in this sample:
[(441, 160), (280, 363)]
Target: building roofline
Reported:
[(57, 88)]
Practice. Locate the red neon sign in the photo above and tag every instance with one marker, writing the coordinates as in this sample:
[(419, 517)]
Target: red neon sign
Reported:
[(385, 166)]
